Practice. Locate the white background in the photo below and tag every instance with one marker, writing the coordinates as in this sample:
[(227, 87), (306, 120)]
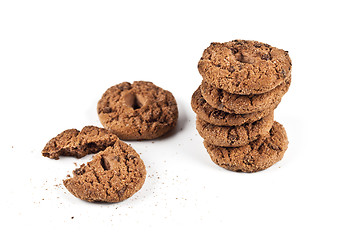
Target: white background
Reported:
[(58, 57)]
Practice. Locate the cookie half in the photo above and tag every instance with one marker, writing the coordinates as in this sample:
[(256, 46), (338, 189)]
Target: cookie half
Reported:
[(137, 111), (234, 136), (244, 67), (242, 104), (112, 175), (73, 142), (217, 117), (255, 156)]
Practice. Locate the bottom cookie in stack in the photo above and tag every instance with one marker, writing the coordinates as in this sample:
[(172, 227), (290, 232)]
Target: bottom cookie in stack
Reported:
[(255, 156)]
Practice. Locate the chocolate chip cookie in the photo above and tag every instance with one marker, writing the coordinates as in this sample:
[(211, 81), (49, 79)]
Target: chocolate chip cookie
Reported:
[(234, 136), (242, 104), (113, 175), (218, 117), (255, 156), (137, 111), (244, 67)]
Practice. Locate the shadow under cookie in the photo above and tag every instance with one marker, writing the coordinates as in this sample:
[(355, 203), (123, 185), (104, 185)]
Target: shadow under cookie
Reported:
[(255, 156)]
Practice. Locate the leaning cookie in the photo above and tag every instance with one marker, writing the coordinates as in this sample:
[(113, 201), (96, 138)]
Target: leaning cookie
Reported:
[(113, 175), (255, 156), (73, 142), (234, 136), (218, 117), (137, 111), (242, 104), (244, 67)]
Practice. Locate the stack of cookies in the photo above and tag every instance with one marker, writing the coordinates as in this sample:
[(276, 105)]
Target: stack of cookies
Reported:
[(243, 82)]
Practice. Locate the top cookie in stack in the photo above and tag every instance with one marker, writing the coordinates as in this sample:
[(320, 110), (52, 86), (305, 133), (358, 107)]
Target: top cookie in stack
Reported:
[(244, 67), (243, 82)]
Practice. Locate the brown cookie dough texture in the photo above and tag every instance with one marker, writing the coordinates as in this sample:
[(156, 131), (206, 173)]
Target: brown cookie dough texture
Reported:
[(234, 136), (76, 143), (256, 156), (242, 104), (244, 67), (217, 117), (113, 175), (136, 111)]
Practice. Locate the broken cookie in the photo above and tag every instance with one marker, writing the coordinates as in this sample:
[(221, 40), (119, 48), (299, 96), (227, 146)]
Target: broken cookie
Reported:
[(78, 144), (114, 174)]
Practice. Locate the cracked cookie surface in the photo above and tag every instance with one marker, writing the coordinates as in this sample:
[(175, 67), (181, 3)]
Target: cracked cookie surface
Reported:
[(112, 175), (255, 156), (234, 136), (242, 104), (137, 111), (244, 67), (73, 142)]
